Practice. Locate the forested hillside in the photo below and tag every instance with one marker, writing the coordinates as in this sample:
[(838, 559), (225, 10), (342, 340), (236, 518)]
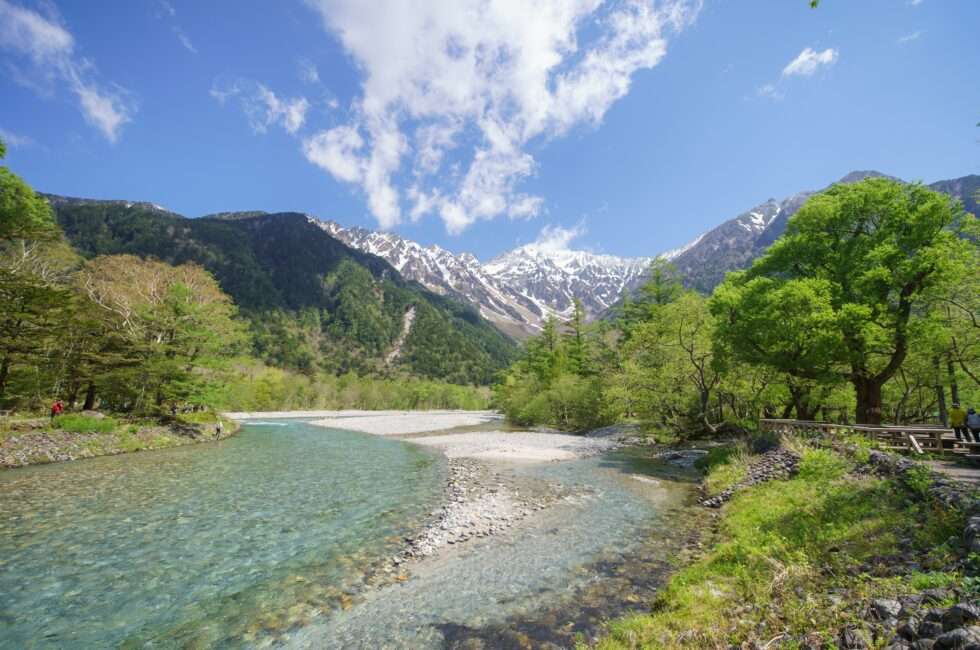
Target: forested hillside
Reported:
[(313, 303), (866, 308)]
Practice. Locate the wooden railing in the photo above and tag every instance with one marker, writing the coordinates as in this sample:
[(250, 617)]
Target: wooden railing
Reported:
[(914, 438)]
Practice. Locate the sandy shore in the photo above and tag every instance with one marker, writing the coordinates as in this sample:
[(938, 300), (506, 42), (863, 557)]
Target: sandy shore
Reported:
[(518, 446), (514, 446), (381, 423), (402, 423), (484, 495)]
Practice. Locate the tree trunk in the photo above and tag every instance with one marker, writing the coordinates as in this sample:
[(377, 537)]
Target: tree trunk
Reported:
[(868, 394), (954, 388), (801, 401), (940, 394), (787, 410), (4, 374), (705, 405), (89, 397)]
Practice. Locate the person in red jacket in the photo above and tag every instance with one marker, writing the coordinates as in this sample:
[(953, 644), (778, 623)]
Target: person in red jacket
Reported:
[(57, 409)]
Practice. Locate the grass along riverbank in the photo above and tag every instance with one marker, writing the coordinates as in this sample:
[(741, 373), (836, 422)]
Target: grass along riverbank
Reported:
[(794, 563), (33, 441)]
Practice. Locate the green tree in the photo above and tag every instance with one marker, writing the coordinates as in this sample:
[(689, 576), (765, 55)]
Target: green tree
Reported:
[(670, 360), (663, 286), (34, 266), (23, 214), (176, 320), (835, 296)]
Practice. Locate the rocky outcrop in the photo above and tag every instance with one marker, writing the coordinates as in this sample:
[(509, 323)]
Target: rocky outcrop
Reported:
[(940, 488), (774, 464), (916, 622)]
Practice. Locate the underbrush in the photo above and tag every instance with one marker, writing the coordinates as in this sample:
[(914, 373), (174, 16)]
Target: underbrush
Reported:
[(725, 466), (76, 423), (793, 559), (198, 417)]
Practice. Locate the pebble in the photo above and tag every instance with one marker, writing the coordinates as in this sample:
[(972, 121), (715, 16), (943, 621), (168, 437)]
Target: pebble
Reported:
[(479, 503)]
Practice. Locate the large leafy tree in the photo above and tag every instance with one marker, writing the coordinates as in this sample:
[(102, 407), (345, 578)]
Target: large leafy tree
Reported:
[(33, 268), (175, 320), (669, 361), (23, 214), (838, 294)]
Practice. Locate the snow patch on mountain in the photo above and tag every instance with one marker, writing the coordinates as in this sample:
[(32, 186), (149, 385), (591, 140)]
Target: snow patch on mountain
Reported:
[(518, 290)]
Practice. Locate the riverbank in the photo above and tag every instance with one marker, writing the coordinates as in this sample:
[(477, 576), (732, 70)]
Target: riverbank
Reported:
[(36, 441), (820, 546), (483, 496), (381, 422), (523, 550)]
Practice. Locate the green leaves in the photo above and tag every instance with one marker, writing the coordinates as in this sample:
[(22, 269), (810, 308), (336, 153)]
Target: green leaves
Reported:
[(23, 214), (836, 294)]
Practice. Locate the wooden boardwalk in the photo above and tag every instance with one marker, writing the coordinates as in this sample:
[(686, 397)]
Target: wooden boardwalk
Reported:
[(914, 438)]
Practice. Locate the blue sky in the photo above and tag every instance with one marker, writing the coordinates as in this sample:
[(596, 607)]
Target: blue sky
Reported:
[(632, 124)]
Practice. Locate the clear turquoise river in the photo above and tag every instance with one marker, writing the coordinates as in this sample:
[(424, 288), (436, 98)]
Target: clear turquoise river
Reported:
[(270, 538)]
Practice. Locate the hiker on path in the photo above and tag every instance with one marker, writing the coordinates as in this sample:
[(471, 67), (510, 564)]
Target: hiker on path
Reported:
[(957, 420), (973, 422)]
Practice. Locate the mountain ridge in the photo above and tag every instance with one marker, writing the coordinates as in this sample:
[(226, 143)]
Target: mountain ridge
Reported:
[(521, 288), (301, 289), (734, 243), (517, 290)]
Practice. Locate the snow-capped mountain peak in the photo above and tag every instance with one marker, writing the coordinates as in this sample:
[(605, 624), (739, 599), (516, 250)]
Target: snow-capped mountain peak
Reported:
[(518, 290)]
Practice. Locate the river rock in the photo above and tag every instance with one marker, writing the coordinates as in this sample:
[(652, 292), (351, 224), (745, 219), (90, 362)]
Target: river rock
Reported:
[(885, 608), (930, 629), (855, 639), (964, 638), (959, 615), (909, 630)]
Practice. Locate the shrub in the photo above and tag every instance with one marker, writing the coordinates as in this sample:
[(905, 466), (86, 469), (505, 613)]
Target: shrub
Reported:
[(822, 465), (918, 480), (84, 424)]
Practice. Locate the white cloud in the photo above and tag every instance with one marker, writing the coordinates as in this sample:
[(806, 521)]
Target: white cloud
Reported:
[(769, 91), (476, 82), (12, 139), (809, 61), (337, 151), (184, 40), (169, 13), (308, 71), (908, 38), (48, 48), (554, 239), (915, 3), (262, 107)]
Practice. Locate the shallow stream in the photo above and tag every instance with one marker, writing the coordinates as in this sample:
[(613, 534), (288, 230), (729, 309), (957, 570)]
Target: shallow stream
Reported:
[(273, 538)]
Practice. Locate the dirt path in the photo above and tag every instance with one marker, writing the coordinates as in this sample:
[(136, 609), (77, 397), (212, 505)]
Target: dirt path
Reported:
[(963, 473)]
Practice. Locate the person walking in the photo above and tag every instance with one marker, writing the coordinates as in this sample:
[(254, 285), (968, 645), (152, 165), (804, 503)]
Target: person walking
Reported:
[(957, 420), (57, 409), (973, 423)]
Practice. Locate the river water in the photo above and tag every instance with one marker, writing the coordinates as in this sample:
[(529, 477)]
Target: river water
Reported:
[(272, 538)]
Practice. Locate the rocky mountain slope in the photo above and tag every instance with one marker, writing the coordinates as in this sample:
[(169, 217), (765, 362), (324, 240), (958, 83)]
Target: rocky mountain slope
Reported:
[(518, 290), (314, 303)]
